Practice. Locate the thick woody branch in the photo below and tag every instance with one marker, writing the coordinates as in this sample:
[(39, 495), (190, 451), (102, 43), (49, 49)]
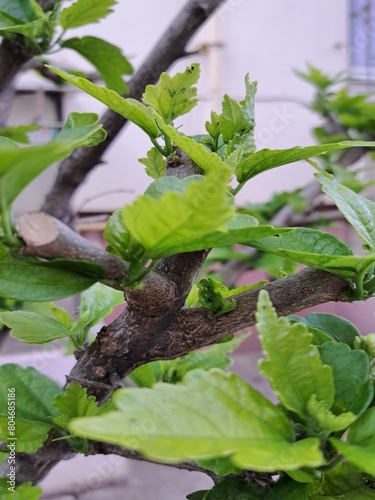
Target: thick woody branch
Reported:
[(129, 342), (48, 238), (170, 48)]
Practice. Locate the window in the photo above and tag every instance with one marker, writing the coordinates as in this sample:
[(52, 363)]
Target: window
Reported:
[(362, 39)]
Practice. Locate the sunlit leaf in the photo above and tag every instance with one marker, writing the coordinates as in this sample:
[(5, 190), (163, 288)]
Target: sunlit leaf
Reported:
[(212, 414)]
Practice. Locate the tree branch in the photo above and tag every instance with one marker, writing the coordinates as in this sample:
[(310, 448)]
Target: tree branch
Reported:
[(130, 342), (171, 46), (49, 238)]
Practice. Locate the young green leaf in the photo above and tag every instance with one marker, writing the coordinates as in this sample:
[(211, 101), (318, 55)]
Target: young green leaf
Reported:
[(173, 371), (212, 296), (237, 122), (33, 328), (351, 374), (293, 365), (155, 163), (33, 396), (357, 210), (27, 278), (197, 152), (163, 226), (174, 96), (74, 402), (224, 417), (324, 421), (96, 303), (84, 12), (107, 59), (62, 316), (265, 159), (19, 492), (130, 109)]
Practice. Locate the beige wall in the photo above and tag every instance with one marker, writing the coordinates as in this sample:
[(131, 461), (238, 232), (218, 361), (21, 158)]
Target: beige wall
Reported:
[(265, 38)]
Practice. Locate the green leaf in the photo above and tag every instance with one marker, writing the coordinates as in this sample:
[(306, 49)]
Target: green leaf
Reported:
[(33, 29), (213, 414), (84, 12), (130, 109), (27, 278), (320, 80), (34, 394), (345, 482), (351, 373), (236, 489), (335, 327), (325, 419), (107, 59), (164, 226), (97, 302), (18, 134), (20, 492), (174, 96), (197, 152), (117, 236), (156, 164), (24, 10), (144, 375), (237, 230), (286, 488), (265, 159), (361, 456), (359, 448), (212, 298), (197, 495), (18, 167), (316, 249), (237, 124), (357, 210), (221, 466), (62, 316), (173, 371), (293, 368), (81, 127), (363, 430), (33, 328), (8, 143), (74, 403), (164, 185)]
